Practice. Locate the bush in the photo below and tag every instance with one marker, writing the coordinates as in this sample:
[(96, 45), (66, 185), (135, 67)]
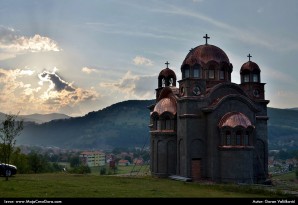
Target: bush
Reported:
[(103, 170), (81, 170), (297, 173)]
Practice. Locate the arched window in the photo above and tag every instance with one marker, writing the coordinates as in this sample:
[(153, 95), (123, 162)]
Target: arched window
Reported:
[(171, 81), (211, 74), (246, 139), (186, 73), (222, 74), (158, 124), (255, 78), (246, 78), (168, 124), (196, 71), (238, 138), (163, 82), (155, 121), (228, 138)]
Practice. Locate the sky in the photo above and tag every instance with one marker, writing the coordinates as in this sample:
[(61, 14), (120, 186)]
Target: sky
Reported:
[(78, 56)]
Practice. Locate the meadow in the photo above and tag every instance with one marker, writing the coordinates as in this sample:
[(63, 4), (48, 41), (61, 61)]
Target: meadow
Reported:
[(60, 185)]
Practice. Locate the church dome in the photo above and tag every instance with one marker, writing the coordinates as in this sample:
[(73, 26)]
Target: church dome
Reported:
[(166, 105), (250, 67), (167, 72), (204, 54)]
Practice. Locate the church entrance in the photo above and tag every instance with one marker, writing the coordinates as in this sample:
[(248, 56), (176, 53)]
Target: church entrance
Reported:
[(196, 169)]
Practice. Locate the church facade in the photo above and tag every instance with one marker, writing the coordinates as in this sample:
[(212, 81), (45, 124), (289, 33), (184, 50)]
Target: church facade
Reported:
[(209, 128)]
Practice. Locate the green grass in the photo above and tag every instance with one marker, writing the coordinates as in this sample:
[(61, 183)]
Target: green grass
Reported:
[(285, 177), (137, 169), (286, 181), (74, 186)]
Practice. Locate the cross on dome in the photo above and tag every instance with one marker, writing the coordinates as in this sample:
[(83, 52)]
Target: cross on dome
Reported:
[(249, 56), (167, 63), (206, 37)]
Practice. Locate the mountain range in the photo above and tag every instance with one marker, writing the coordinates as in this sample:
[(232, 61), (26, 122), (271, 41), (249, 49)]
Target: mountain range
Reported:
[(38, 118), (125, 124)]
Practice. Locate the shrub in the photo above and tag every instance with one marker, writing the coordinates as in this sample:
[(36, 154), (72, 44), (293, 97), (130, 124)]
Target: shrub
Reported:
[(81, 170)]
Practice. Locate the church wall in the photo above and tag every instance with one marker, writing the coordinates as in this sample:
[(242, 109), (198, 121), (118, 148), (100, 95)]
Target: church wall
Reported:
[(214, 169), (236, 166), (191, 127), (261, 151), (164, 154)]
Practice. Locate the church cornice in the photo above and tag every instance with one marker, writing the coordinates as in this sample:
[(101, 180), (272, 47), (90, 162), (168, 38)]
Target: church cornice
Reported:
[(234, 148), (189, 116), (214, 105), (262, 117), (163, 132), (262, 101)]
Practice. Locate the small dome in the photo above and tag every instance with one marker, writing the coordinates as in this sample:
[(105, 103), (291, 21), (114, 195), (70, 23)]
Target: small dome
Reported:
[(166, 105), (204, 54), (167, 72), (234, 119), (250, 66)]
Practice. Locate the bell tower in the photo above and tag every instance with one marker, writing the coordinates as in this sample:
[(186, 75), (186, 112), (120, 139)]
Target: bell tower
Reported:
[(251, 80), (166, 78)]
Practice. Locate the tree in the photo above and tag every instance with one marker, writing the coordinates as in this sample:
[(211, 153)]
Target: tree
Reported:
[(9, 130)]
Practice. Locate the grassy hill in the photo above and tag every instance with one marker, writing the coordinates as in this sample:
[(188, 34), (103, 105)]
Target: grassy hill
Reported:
[(125, 124), (283, 128), (65, 185)]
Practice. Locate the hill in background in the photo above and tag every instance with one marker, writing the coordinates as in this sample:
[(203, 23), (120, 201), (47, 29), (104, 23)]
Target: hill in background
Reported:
[(125, 124), (38, 118)]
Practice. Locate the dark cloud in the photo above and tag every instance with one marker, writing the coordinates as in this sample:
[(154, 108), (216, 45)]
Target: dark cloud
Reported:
[(59, 84)]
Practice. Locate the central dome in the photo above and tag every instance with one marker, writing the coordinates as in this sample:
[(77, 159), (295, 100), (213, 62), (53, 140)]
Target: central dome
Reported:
[(205, 53)]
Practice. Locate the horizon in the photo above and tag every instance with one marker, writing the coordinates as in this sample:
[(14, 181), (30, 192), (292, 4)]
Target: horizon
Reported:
[(291, 108), (75, 57)]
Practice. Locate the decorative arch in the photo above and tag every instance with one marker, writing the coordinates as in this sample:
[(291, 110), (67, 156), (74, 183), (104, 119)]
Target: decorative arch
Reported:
[(235, 130), (185, 71), (240, 98), (212, 92)]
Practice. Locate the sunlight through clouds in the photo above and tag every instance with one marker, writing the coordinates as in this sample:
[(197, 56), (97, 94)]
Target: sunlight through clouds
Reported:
[(50, 94), (13, 44)]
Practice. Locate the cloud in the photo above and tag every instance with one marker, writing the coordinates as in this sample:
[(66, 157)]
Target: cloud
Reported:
[(140, 60), (133, 86), (46, 92), (89, 70), (56, 83), (13, 44)]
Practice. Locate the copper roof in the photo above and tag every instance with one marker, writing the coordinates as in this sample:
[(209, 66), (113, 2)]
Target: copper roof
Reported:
[(204, 54), (234, 119), (166, 105), (167, 72), (250, 66)]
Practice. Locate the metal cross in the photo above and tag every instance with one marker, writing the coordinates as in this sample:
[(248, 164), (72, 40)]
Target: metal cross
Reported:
[(249, 56), (167, 63), (206, 37)]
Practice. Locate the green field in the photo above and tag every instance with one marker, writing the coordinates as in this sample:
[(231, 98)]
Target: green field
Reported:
[(74, 186)]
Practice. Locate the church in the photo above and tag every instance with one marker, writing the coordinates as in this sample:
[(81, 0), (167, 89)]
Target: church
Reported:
[(207, 127)]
